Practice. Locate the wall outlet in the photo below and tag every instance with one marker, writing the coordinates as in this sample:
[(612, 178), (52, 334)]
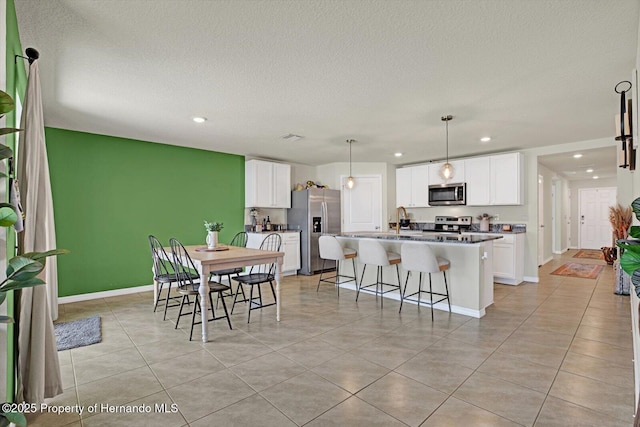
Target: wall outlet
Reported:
[(496, 217)]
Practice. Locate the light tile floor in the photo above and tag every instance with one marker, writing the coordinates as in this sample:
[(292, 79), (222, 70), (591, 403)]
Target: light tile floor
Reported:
[(555, 353)]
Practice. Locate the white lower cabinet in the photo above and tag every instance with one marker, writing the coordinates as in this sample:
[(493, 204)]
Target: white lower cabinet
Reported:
[(290, 246), (508, 258)]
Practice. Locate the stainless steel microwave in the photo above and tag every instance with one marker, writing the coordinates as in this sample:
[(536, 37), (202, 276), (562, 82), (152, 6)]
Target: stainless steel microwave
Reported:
[(448, 194)]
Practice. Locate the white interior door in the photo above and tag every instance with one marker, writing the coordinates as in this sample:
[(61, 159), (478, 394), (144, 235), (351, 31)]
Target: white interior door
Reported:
[(540, 219), (362, 205), (595, 228)]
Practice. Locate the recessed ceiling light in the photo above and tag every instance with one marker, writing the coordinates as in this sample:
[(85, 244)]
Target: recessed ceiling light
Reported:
[(398, 154), (485, 139), (595, 177), (292, 137), (577, 156), (199, 119), (589, 170)]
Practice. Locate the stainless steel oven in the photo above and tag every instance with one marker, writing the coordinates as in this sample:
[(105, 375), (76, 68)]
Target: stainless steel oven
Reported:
[(448, 194)]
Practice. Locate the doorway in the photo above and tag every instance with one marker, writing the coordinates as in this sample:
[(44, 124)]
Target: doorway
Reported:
[(362, 205), (540, 220), (593, 214)]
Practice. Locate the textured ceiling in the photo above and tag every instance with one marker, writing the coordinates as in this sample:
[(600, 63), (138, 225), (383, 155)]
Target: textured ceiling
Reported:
[(527, 73), (603, 162)]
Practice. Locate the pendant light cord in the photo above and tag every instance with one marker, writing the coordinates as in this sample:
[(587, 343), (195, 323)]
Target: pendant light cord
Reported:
[(447, 127), (350, 158)]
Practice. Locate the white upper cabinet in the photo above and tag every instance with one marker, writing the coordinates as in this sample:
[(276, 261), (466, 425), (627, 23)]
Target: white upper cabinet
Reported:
[(267, 184), (458, 173), (478, 178), (412, 187), (507, 183)]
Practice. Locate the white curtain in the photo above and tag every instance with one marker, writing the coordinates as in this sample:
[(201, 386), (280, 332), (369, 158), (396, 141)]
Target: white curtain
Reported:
[(38, 367)]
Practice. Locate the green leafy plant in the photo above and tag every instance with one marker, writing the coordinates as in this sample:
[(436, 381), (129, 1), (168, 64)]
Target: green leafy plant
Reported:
[(22, 270), (213, 226), (630, 258)]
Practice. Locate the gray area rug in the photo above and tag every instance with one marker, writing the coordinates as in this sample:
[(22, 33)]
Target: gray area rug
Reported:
[(78, 333)]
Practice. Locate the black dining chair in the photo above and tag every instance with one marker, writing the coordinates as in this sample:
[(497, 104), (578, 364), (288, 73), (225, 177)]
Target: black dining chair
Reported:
[(164, 274), (239, 240), (259, 274), (188, 286)]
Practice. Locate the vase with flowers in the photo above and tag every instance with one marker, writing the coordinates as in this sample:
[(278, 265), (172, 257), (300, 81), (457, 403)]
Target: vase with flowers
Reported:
[(212, 233), (484, 221)]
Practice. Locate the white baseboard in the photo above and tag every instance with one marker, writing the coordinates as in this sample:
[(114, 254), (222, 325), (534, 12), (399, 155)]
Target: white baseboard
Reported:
[(124, 291), (505, 281), (439, 306), (105, 294), (533, 279)]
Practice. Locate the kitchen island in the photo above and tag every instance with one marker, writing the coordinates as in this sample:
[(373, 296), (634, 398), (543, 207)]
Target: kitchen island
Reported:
[(470, 277)]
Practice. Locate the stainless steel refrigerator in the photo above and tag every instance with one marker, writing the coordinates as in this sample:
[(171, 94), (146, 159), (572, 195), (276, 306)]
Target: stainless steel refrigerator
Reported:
[(314, 211)]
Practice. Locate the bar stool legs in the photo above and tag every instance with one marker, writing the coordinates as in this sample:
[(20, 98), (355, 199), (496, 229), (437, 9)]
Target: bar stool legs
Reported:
[(419, 293), (379, 285)]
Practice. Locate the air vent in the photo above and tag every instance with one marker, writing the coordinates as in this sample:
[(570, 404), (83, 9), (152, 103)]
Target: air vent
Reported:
[(291, 137)]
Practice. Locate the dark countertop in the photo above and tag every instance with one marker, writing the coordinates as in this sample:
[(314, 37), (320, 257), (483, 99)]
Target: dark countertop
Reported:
[(518, 231), (425, 237), (274, 231)]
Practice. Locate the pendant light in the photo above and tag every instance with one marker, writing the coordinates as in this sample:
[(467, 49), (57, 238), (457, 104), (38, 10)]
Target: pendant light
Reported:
[(447, 171), (350, 180)]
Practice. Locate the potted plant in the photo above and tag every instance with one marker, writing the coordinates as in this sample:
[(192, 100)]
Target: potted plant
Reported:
[(484, 221), (212, 233), (22, 270), (620, 219), (630, 256)]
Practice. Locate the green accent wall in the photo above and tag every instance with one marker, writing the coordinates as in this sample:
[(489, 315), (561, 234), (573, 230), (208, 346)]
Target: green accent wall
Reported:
[(16, 86), (110, 193)]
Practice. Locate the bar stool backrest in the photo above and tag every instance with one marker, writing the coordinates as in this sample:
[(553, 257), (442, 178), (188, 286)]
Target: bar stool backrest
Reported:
[(330, 248), (418, 257), (372, 252)]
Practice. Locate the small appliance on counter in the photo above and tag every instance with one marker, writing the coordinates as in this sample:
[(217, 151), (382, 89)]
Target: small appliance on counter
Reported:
[(450, 224)]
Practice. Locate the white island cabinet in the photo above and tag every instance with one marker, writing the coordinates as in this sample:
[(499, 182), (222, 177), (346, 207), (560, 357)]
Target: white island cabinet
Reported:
[(267, 184), (412, 184), (508, 257), (290, 247)]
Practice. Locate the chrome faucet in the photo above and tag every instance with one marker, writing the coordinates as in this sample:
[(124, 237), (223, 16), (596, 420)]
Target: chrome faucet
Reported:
[(404, 216)]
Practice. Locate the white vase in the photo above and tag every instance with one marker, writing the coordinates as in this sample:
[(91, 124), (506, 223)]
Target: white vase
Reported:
[(212, 239), (484, 225)]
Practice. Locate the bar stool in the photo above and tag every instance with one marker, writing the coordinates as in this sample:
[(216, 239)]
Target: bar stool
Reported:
[(420, 257), (331, 249), (372, 252)]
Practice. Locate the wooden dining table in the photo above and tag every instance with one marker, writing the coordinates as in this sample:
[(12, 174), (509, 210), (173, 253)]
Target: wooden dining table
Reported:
[(234, 257)]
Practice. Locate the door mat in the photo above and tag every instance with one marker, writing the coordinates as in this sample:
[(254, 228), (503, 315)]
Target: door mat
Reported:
[(574, 269), (78, 333), (589, 253)]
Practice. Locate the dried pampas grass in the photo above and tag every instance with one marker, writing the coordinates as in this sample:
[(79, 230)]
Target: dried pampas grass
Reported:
[(620, 219)]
